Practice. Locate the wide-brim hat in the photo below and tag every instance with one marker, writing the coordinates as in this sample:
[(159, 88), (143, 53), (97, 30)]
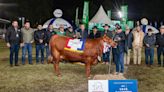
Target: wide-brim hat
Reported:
[(106, 25), (95, 27)]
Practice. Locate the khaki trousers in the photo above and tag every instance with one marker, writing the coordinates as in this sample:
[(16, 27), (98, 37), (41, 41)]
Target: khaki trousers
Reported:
[(137, 52), (127, 57)]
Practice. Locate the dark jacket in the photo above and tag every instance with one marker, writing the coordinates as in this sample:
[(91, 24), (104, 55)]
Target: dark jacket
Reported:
[(120, 43), (39, 34), (83, 35), (49, 34), (160, 40), (150, 40), (93, 36), (108, 33), (13, 36), (128, 41), (70, 34)]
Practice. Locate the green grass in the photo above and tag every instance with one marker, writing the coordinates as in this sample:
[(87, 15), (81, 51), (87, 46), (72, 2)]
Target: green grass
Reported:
[(41, 78)]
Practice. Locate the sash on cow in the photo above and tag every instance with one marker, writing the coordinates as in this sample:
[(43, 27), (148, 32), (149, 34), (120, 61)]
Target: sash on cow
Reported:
[(75, 45)]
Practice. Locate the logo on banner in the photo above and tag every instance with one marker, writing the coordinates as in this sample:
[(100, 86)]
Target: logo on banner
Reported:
[(98, 86), (76, 45)]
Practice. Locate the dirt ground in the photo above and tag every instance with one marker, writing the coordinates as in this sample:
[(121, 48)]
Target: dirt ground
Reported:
[(41, 78)]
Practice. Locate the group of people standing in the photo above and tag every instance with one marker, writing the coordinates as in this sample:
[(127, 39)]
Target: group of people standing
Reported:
[(128, 41), (24, 38)]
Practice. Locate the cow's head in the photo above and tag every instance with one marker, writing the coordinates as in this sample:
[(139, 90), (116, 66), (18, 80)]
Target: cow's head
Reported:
[(109, 41)]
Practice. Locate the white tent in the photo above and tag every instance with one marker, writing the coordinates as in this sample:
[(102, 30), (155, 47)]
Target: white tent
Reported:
[(56, 22), (101, 17)]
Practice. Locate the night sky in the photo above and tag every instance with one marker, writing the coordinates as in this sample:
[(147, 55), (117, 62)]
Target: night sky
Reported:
[(41, 10)]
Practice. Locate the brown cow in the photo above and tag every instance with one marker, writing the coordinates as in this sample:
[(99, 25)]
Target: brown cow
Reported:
[(93, 48)]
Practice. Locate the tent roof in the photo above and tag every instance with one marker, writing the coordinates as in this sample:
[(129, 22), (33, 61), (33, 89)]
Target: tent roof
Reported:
[(4, 21), (56, 22), (101, 17)]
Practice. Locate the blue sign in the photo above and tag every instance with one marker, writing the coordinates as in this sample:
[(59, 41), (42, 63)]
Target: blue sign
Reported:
[(123, 86)]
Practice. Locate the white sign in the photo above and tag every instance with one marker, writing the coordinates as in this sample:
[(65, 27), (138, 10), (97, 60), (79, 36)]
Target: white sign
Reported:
[(98, 86), (58, 13), (75, 44)]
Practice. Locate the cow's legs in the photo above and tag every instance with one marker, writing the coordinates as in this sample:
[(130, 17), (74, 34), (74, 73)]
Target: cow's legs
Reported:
[(88, 69), (56, 66), (88, 66), (56, 60)]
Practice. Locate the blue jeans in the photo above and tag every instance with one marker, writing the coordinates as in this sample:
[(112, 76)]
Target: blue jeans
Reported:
[(28, 47), (47, 51), (38, 49), (149, 52), (14, 51), (106, 56), (119, 61), (160, 51)]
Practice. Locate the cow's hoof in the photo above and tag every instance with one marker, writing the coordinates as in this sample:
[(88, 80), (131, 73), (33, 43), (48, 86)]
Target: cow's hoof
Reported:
[(89, 77), (59, 75)]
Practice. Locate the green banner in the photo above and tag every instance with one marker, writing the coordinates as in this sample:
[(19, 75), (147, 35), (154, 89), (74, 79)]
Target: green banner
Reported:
[(76, 17), (85, 19), (124, 10)]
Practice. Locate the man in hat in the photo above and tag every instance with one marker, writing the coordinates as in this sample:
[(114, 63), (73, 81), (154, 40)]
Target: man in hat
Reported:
[(137, 44), (94, 34), (160, 45), (107, 31), (106, 54), (149, 42), (128, 45), (118, 51)]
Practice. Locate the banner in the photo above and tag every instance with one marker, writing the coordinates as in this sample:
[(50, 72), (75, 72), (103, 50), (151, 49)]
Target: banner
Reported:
[(85, 19), (76, 17)]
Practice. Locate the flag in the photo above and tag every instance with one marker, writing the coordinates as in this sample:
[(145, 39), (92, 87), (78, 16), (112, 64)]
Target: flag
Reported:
[(85, 19), (76, 18)]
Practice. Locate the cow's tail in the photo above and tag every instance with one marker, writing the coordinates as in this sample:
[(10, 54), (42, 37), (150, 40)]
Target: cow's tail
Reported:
[(50, 58)]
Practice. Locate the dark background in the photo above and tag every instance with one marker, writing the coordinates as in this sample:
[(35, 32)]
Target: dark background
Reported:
[(41, 10)]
